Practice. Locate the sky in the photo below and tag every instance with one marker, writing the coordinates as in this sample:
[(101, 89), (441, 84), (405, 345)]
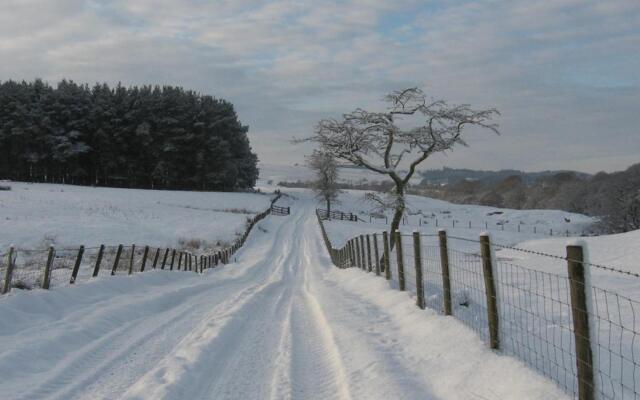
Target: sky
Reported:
[(565, 74)]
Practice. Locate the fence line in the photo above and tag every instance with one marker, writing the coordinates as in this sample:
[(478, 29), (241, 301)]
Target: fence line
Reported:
[(582, 337), (43, 268), (455, 224), (276, 210), (340, 215)]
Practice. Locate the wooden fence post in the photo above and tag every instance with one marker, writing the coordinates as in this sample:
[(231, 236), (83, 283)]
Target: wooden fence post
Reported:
[(580, 313), (155, 258), (446, 278), (400, 258), (144, 258), (356, 253), (46, 280), (190, 261), (490, 291), (173, 259), (385, 250), (132, 258), (76, 266), (417, 255), (376, 254), (117, 260), (180, 254), (8, 273), (369, 265), (164, 259), (96, 268), (363, 251), (348, 254)]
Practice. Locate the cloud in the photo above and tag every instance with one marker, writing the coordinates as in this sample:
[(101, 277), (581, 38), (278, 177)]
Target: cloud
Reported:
[(563, 73)]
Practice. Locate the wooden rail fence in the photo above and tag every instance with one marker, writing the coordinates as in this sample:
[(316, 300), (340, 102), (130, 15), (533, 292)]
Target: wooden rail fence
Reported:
[(127, 259)]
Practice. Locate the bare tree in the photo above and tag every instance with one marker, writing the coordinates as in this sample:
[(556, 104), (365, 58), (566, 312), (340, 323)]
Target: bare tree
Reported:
[(623, 212), (376, 141), (325, 168)]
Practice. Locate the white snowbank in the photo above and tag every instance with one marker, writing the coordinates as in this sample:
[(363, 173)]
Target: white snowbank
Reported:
[(280, 323), (34, 215)]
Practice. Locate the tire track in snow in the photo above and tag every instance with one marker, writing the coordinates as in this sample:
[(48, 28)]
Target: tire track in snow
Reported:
[(240, 343), (97, 363), (354, 323), (316, 365)]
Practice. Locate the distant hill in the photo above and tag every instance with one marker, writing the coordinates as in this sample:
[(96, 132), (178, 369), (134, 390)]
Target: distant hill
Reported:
[(614, 197), (449, 176)]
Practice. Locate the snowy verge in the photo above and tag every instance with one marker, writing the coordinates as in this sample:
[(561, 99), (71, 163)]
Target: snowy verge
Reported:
[(66, 215), (442, 350)]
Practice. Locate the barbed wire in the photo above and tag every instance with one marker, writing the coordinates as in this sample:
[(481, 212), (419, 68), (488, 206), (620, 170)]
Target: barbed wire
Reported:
[(554, 256)]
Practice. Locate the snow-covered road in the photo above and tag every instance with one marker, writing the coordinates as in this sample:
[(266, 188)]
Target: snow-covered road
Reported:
[(279, 323)]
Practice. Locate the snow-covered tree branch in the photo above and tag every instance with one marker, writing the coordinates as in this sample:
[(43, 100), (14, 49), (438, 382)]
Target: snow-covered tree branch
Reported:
[(379, 142)]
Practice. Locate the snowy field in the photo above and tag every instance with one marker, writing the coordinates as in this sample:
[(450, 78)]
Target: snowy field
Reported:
[(280, 323), (532, 284), (428, 215), (37, 215)]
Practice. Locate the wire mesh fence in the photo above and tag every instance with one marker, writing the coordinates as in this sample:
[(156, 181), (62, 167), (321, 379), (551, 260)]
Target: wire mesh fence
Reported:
[(536, 321), (582, 337), (468, 291)]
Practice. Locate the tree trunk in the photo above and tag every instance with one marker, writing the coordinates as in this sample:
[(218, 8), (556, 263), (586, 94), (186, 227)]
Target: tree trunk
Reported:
[(397, 215), (328, 208)]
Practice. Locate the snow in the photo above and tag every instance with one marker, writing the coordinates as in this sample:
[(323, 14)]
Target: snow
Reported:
[(280, 323), (482, 219), (36, 215), (532, 286), (621, 251)]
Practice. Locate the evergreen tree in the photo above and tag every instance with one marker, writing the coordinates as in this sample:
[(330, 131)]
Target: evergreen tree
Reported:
[(139, 137)]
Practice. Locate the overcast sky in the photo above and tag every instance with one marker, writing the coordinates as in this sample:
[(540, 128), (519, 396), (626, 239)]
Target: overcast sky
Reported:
[(565, 74)]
